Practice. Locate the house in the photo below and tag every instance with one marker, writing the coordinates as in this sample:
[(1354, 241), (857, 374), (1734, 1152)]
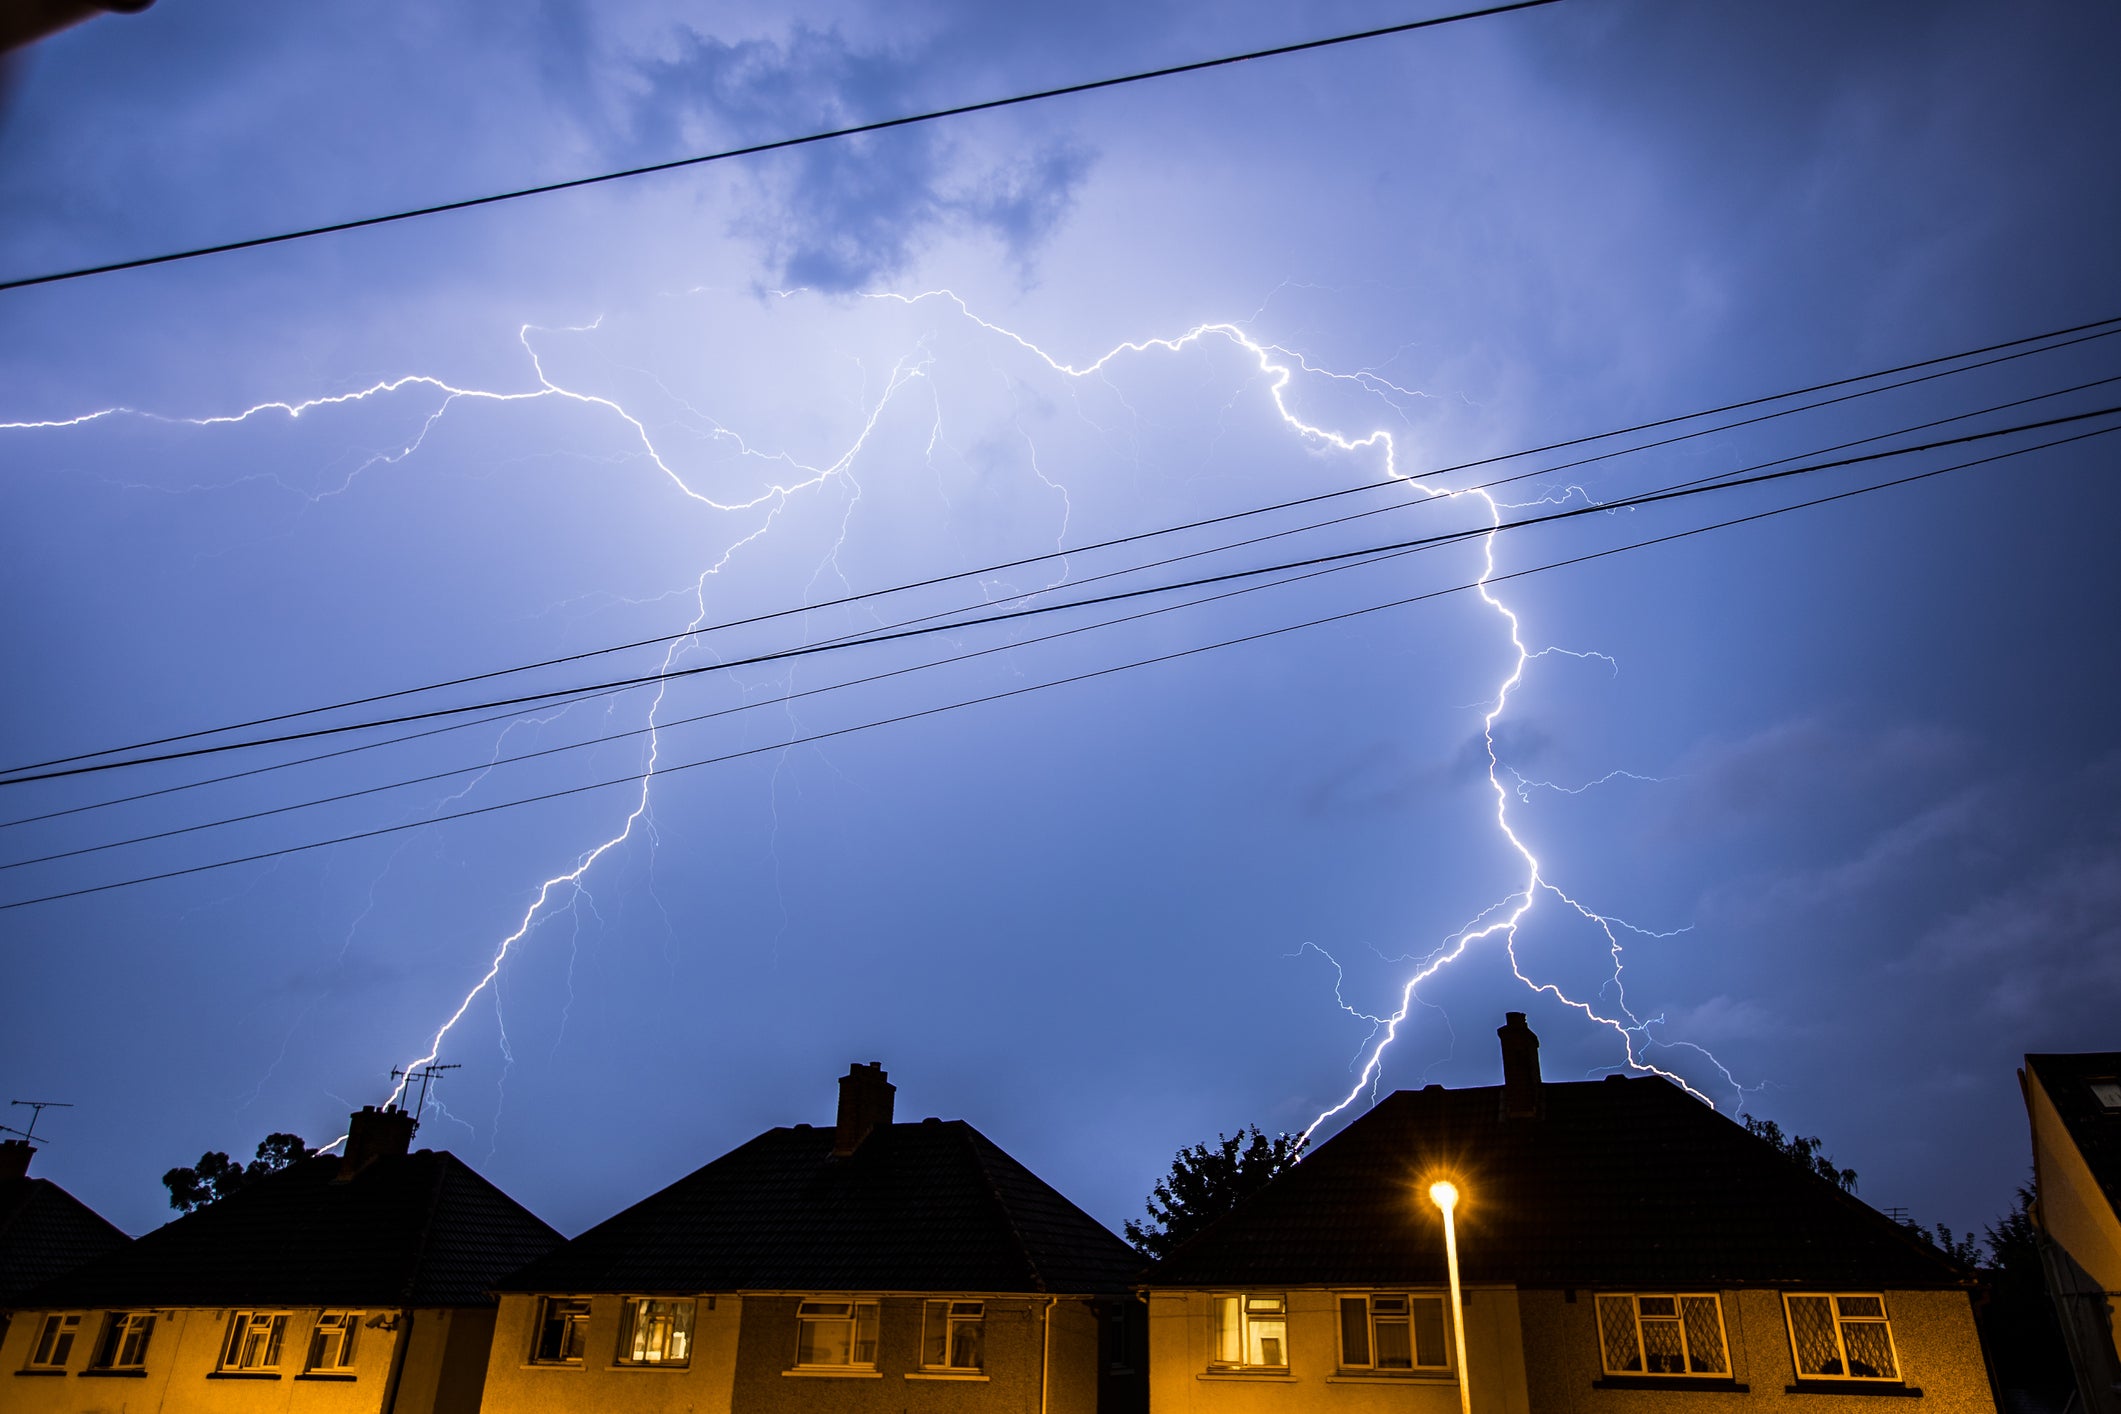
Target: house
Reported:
[(2074, 1103), (339, 1283), (45, 1231), (863, 1266), (1622, 1249)]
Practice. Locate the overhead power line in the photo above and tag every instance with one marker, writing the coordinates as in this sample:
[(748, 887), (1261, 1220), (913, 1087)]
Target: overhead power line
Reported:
[(923, 713), (2068, 336), (1354, 560), (775, 145)]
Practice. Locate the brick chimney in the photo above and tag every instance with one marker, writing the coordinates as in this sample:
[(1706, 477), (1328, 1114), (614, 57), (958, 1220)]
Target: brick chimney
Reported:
[(14, 1158), (865, 1104), (1520, 1069), (374, 1134)]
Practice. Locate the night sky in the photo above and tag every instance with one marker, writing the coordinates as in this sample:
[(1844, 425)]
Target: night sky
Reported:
[(1841, 783)]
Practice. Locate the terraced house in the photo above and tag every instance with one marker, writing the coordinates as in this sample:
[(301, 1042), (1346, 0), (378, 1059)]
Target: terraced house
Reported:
[(1622, 1249), (347, 1284), (854, 1268)]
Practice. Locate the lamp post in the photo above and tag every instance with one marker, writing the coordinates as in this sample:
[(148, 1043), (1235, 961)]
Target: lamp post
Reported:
[(1445, 1196)]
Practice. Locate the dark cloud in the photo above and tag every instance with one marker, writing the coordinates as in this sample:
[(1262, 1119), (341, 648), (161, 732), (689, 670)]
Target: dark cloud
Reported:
[(850, 214)]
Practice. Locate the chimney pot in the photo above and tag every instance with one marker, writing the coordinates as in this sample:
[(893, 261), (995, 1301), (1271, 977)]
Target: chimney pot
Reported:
[(1521, 1097), (14, 1158), (375, 1134), (866, 1096)]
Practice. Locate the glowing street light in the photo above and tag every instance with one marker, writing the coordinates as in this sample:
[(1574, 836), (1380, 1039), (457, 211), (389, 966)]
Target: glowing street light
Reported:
[(1444, 1195)]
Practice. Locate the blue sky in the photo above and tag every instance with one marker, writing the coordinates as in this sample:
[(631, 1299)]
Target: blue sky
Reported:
[(1862, 842)]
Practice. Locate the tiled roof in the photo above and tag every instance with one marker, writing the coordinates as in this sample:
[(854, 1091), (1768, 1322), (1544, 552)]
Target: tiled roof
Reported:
[(2094, 1129), (1623, 1182), (917, 1207), (418, 1229), (44, 1231)]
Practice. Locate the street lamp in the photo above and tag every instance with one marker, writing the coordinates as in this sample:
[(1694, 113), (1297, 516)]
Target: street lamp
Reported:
[(1444, 1195)]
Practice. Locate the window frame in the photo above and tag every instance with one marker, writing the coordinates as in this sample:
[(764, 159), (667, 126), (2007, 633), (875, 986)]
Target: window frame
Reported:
[(1247, 1318), (952, 1317), (348, 1325), (245, 1323), (628, 1353), (576, 1320), (1678, 1317), (118, 1334), (1883, 1319), (854, 1318), (58, 1335), (1368, 1365)]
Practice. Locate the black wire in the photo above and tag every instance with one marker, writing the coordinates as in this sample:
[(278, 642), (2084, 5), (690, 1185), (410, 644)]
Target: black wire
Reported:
[(777, 145), (959, 625), (308, 846), (1723, 480), (10, 775)]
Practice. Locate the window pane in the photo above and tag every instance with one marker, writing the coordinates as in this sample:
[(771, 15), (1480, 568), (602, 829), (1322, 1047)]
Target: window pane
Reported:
[(1870, 1350), (965, 1345), (865, 1332), (1862, 1307), (1229, 1344), (1704, 1335), (1661, 1351), (825, 1342), (1266, 1341), (1616, 1332), (935, 1333), (1656, 1305), (1395, 1344), (1354, 1331), (1812, 1333), (1429, 1334)]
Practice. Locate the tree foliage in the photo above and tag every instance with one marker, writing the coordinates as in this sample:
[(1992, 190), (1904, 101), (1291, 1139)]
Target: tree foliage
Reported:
[(1804, 1150), (216, 1175), (1206, 1182)]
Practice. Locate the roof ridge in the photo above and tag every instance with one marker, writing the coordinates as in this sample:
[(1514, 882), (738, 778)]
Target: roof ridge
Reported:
[(977, 1142)]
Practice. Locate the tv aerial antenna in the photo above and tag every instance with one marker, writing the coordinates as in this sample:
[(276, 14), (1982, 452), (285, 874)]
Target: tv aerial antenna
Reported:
[(37, 1109), (425, 1076)]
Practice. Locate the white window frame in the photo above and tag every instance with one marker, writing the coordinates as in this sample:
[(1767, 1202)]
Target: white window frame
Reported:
[(859, 1313), (638, 1317), (127, 1331), (1677, 1317), (574, 1321), (1371, 1315), (55, 1341), (342, 1329), (255, 1341), (1834, 1300), (1253, 1313), (948, 1317)]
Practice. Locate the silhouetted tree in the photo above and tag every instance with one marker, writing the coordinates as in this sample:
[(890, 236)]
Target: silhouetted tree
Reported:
[(1965, 1248), (1205, 1183), (2024, 1337), (1802, 1150), (216, 1175)]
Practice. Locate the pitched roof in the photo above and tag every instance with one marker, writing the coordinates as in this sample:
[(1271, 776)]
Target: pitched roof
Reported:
[(1627, 1182), (419, 1229), (934, 1206), (2095, 1129), (44, 1231)]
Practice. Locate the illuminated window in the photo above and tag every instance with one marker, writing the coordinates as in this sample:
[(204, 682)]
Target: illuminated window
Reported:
[(655, 1332), (331, 1344), (1679, 1334), (55, 1342), (125, 1341), (951, 1335), (1841, 1337), (253, 1340), (1393, 1332), (836, 1334), (563, 1331), (1251, 1333)]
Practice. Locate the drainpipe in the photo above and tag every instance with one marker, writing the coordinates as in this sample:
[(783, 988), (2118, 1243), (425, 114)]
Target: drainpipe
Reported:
[(397, 1364), (1045, 1357)]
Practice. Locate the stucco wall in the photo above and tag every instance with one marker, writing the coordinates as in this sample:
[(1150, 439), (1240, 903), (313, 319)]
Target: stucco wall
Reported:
[(2073, 1209), (1933, 1332), (1180, 1382), (515, 1386), (182, 1356)]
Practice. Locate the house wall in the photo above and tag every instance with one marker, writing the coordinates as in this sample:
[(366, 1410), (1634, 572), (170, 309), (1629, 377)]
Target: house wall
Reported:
[(2073, 1209), (1933, 1333), (1180, 1335), (1013, 1355), (516, 1386), (179, 1377)]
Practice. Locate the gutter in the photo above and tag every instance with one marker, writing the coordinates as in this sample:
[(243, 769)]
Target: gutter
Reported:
[(397, 1364), (1045, 1356)]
